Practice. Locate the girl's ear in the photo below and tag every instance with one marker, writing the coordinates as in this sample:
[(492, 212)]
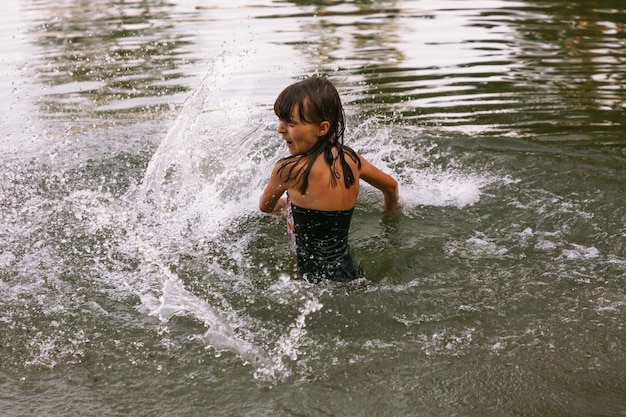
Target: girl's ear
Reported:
[(324, 128)]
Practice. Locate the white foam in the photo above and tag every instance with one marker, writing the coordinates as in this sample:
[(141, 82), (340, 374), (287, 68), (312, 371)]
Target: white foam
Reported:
[(398, 151), (442, 188), (476, 246), (580, 252)]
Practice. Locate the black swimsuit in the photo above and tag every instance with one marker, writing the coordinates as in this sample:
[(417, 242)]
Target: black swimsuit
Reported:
[(320, 240)]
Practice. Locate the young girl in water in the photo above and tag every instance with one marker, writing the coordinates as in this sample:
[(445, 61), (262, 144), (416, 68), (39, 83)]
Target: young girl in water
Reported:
[(321, 179)]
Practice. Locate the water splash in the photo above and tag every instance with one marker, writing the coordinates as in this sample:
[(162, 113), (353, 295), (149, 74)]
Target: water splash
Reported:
[(202, 183), (289, 346), (426, 174), (176, 300)]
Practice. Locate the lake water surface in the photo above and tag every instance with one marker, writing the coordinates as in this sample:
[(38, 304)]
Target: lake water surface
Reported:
[(138, 278)]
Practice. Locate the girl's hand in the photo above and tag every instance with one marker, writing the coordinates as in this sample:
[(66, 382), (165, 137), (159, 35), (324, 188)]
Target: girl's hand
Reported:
[(390, 206), (392, 200)]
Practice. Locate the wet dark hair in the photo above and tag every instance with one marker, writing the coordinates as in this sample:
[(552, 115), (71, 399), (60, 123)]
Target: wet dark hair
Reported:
[(317, 100)]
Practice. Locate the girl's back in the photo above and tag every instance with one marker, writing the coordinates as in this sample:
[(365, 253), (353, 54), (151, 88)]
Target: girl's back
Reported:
[(320, 195)]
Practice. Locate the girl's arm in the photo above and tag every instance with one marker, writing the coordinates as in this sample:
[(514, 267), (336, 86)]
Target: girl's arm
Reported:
[(271, 201), (384, 182)]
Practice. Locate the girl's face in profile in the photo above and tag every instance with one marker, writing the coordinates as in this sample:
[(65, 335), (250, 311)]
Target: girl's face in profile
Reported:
[(300, 136)]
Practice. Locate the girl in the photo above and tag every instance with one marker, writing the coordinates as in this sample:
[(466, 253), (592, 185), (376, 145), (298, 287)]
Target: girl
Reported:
[(321, 178)]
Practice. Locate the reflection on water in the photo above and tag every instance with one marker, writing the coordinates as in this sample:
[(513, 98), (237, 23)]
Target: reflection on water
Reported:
[(98, 58), (491, 68), (495, 68), (578, 51)]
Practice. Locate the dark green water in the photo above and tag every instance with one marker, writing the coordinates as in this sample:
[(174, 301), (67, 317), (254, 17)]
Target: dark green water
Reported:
[(137, 277)]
